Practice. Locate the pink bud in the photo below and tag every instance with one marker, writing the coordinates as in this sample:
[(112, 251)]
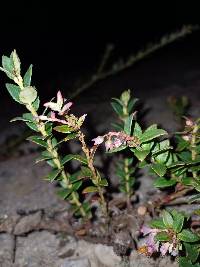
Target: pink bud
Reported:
[(98, 140), (59, 97)]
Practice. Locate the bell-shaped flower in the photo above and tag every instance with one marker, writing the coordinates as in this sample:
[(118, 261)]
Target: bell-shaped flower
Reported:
[(98, 140)]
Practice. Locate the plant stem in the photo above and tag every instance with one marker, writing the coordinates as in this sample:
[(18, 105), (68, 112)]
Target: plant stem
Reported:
[(127, 183), (56, 160), (95, 176), (193, 147)]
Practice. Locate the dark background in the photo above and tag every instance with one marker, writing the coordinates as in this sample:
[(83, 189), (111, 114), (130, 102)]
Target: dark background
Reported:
[(65, 42)]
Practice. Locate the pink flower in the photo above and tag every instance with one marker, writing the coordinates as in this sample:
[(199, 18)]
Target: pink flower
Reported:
[(52, 118), (108, 145), (98, 140), (164, 248), (59, 105), (145, 230), (152, 245)]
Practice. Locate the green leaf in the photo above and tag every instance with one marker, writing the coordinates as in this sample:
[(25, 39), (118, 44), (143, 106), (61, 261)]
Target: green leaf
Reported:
[(157, 223), (30, 123), (167, 219), (16, 63), (20, 119), (90, 189), (137, 130), (116, 149), (188, 236), (14, 91), (159, 169), (64, 193), (182, 144), (32, 126), (27, 76), (63, 129), (52, 175), (131, 104), (176, 164), (38, 140), (162, 182), (143, 164), (128, 124), (36, 103), (117, 108), (162, 236), (192, 252), (161, 146), (141, 154), (187, 181), (42, 158), (7, 64), (103, 182), (76, 185), (70, 137), (75, 157), (28, 95), (118, 101), (178, 221), (85, 172), (150, 134), (184, 262)]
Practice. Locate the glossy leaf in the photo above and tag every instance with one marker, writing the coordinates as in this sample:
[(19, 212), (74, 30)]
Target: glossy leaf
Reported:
[(103, 182), (141, 154), (128, 124), (38, 140), (64, 193), (159, 169), (167, 219), (7, 64), (188, 236), (162, 236), (14, 91), (158, 224), (117, 108), (90, 189), (27, 76), (162, 182), (178, 221), (63, 129), (53, 175), (192, 252), (75, 157), (137, 130), (151, 133)]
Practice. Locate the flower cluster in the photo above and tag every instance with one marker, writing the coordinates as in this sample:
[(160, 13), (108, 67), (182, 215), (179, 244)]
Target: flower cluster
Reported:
[(62, 108), (152, 245), (114, 140)]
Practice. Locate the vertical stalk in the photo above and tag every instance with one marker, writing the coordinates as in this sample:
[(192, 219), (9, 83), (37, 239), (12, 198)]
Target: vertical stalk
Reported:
[(95, 176), (193, 147), (54, 153), (127, 183)]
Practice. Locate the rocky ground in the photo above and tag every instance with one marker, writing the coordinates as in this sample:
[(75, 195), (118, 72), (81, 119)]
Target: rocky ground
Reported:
[(34, 225)]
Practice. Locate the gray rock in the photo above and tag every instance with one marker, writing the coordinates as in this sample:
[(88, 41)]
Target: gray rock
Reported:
[(37, 249), (28, 223), (22, 187), (44, 249), (81, 262), (138, 260), (6, 250)]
